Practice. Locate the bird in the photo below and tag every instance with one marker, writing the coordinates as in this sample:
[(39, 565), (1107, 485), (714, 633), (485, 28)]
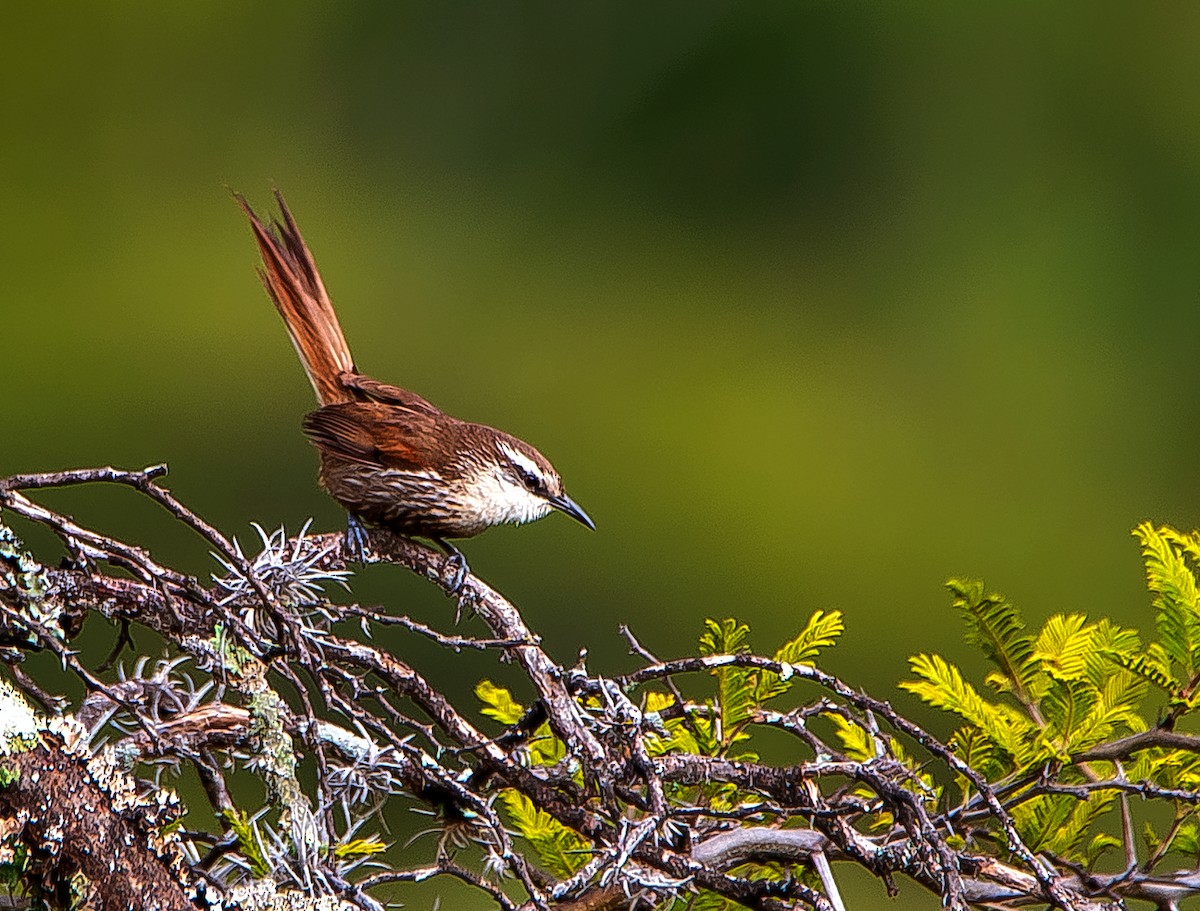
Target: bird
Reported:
[(390, 457)]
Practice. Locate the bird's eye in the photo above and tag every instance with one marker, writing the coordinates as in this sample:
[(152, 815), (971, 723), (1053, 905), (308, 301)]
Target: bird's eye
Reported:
[(530, 480)]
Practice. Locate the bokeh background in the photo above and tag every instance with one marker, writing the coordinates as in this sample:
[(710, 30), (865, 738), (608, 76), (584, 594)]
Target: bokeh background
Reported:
[(813, 304)]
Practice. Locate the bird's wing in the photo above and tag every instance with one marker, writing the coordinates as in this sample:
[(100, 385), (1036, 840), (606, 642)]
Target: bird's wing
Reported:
[(390, 395), (370, 433)]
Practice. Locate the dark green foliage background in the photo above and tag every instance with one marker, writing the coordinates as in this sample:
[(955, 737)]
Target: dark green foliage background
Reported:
[(813, 304)]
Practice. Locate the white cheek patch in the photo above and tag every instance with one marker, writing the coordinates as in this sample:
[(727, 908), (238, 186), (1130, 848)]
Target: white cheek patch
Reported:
[(500, 500)]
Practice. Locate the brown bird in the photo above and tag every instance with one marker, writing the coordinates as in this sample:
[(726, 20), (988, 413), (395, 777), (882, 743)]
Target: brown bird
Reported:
[(388, 456)]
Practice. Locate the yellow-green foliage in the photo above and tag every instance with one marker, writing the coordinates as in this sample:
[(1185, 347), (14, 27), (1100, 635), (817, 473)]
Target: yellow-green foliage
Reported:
[(1072, 686), (1068, 687), (739, 693), (248, 842), (498, 703), (359, 847), (1049, 696), (1171, 558), (560, 850), (741, 690)]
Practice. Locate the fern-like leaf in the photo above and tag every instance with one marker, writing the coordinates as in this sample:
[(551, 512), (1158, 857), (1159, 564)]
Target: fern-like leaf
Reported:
[(1120, 697), (498, 702), (678, 738), (1108, 638), (724, 637), (978, 751), (821, 631), (1176, 598), (1186, 841), (1063, 647), (995, 627), (1186, 543), (249, 841), (736, 686), (1153, 666), (1068, 705), (359, 847), (1067, 839), (1058, 823), (942, 686), (857, 742), (560, 849)]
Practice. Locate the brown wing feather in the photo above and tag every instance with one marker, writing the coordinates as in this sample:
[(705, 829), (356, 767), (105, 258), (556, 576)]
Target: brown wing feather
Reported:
[(385, 392), (370, 434)]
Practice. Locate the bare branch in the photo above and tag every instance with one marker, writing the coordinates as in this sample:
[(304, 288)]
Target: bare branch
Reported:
[(615, 806)]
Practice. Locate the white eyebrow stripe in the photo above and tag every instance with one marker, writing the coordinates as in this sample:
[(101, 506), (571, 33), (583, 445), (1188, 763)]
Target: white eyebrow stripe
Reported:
[(521, 460)]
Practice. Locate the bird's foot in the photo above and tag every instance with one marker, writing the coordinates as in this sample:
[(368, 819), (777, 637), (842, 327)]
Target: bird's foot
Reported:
[(357, 538), (455, 562)]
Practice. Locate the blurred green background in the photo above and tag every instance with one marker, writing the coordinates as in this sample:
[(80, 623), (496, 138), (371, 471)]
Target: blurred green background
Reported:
[(813, 304)]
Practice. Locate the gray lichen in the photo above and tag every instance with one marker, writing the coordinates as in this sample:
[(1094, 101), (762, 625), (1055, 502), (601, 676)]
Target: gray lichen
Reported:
[(21, 577)]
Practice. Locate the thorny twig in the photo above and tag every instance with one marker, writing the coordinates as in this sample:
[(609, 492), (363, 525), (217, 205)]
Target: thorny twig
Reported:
[(644, 823)]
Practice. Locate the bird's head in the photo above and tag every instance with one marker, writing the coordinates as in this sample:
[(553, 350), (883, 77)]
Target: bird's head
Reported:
[(518, 484)]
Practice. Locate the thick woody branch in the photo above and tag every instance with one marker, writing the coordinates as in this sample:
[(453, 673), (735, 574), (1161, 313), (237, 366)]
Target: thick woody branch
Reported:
[(67, 819)]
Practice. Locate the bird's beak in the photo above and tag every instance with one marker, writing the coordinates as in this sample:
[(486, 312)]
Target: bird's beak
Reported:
[(572, 509)]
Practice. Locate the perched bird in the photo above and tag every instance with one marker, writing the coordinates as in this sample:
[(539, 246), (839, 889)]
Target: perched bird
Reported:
[(390, 457)]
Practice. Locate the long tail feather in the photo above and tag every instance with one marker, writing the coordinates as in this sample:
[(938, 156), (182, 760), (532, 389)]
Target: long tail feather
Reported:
[(291, 278)]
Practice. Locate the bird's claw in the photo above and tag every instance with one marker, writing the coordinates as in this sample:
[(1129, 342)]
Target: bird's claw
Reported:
[(455, 562), (357, 539), (458, 563)]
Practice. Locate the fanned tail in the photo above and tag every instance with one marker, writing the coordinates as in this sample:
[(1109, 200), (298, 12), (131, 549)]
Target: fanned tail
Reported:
[(291, 278)]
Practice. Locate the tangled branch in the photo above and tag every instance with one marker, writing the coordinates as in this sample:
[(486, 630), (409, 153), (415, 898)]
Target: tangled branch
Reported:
[(607, 791)]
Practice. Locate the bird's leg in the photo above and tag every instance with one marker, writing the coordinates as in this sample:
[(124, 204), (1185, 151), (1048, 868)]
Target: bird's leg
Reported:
[(357, 538), (456, 561)]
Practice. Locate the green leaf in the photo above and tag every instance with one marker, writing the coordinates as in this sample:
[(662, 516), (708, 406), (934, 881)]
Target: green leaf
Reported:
[(1109, 639), (1063, 646), (1186, 543), (679, 737), (248, 842), (727, 637), (821, 631), (561, 850), (1058, 823), (1169, 768), (360, 847), (1150, 837), (942, 686), (736, 686), (1100, 846), (857, 742), (704, 900), (1176, 598), (1067, 840), (12, 872), (1119, 700), (1067, 706), (979, 752), (1185, 840), (1153, 666), (736, 701), (995, 627), (498, 703), (1086, 699)]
